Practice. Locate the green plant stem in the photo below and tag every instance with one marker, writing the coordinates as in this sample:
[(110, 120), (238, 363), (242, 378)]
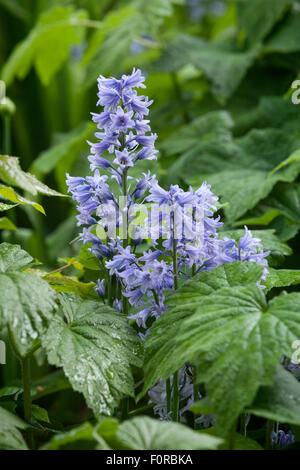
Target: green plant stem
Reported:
[(125, 408), (244, 424), (125, 231), (27, 398)]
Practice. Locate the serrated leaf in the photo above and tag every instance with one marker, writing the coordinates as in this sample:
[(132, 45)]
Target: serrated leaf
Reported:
[(26, 300), (282, 278), (235, 161), (6, 224), (10, 436), (144, 433), (286, 37), (12, 173), (57, 27), (10, 194), (258, 21), (61, 283), (96, 348), (233, 337), (279, 401), (203, 128), (13, 258), (223, 66)]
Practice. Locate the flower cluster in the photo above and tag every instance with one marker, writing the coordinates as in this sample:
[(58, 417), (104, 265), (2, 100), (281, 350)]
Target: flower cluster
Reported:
[(180, 228)]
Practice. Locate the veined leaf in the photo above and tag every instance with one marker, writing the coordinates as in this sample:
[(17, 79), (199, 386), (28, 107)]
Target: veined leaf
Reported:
[(61, 283), (144, 433), (203, 128), (12, 173), (26, 300), (286, 38), (230, 337), (235, 161), (95, 347), (258, 21), (10, 436), (57, 27), (78, 438), (279, 401), (223, 66)]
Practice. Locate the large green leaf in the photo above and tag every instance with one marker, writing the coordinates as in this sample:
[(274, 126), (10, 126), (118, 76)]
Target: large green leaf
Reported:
[(12, 173), (144, 433), (26, 300), (223, 66), (279, 401), (257, 19), (234, 337), (10, 436), (57, 27), (235, 171), (79, 438), (96, 347)]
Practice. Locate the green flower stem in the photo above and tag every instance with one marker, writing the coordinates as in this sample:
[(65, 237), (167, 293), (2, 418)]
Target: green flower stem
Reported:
[(175, 376), (25, 367), (125, 232)]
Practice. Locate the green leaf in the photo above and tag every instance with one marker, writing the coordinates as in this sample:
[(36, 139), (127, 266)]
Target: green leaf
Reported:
[(95, 347), (235, 161), (286, 37), (279, 401), (68, 146), (233, 337), (12, 173), (258, 21), (203, 128), (144, 433), (224, 67), (40, 414), (6, 207), (10, 436), (26, 300), (13, 258), (61, 283), (87, 259), (58, 27), (78, 438), (6, 224), (282, 278), (240, 442), (10, 194)]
